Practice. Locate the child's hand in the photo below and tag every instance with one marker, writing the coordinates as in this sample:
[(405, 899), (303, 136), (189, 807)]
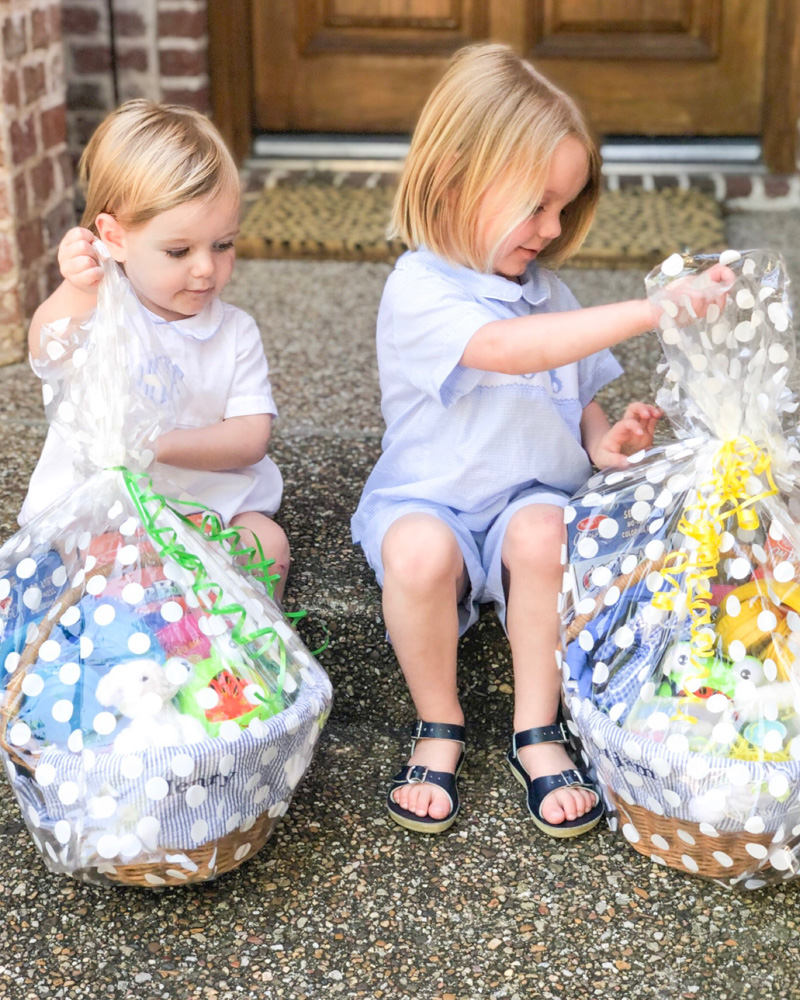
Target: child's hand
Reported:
[(690, 297), (628, 435), (78, 260)]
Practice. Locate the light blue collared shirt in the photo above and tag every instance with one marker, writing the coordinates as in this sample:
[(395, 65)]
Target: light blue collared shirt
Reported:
[(468, 439)]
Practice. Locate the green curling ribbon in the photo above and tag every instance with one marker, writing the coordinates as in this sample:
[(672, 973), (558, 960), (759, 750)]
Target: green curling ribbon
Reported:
[(210, 594)]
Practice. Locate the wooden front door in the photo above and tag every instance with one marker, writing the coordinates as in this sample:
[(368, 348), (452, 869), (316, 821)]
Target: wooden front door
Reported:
[(636, 67)]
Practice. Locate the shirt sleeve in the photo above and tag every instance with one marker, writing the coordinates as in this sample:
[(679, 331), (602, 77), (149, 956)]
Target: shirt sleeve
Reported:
[(594, 372), (251, 391), (431, 321)]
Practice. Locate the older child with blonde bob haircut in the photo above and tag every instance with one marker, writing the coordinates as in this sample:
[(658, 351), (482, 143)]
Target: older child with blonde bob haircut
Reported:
[(488, 373), (162, 193)]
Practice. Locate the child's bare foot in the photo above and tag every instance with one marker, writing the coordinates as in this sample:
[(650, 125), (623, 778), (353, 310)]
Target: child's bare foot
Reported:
[(423, 798), (561, 798), (563, 803), (424, 795)]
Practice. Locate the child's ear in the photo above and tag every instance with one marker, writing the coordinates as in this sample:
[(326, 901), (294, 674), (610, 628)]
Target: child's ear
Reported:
[(113, 235)]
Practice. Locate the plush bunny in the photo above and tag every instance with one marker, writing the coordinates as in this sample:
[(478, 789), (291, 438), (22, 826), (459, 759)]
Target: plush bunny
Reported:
[(142, 690)]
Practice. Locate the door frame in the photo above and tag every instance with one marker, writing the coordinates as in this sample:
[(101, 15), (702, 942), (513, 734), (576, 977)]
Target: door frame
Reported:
[(230, 58)]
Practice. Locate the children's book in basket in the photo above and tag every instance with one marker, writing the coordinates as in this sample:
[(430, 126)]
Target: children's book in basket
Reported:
[(158, 709), (681, 603)]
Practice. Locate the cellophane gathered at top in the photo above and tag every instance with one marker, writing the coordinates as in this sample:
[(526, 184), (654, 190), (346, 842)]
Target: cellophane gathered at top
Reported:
[(158, 709), (681, 598)]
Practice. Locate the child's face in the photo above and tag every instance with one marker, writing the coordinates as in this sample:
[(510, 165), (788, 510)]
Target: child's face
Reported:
[(566, 178), (179, 260)]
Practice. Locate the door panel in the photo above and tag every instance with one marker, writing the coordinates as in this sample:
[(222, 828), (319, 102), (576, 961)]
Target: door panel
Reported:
[(665, 68), (354, 65), (368, 65)]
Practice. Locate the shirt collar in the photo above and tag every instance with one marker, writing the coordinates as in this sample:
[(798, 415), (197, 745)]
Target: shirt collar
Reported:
[(203, 326), (535, 287)]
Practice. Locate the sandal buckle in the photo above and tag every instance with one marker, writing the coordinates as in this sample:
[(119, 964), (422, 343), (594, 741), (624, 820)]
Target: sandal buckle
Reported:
[(417, 775)]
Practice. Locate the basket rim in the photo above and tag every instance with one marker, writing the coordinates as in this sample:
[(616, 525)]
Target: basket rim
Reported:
[(587, 708)]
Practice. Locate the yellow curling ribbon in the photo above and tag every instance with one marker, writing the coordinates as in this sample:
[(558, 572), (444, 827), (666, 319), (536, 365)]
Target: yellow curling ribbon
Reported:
[(725, 495)]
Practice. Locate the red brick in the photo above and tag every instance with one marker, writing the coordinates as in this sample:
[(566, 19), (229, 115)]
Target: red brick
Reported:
[(137, 59), (92, 59), (182, 24), (776, 187), (14, 43), (35, 82), (43, 178), (11, 93), (179, 62), (199, 99), (54, 126), (40, 27), (21, 197), (128, 24), (30, 242), (79, 21), (23, 139), (7, 262), (738, 186), (133, 59), (55, 22)]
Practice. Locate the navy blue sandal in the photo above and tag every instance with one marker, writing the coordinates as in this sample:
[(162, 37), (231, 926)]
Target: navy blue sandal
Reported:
[(539, 788), (413, 774)]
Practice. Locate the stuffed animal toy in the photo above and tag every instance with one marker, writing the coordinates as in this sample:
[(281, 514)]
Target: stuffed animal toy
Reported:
[(142, 691)]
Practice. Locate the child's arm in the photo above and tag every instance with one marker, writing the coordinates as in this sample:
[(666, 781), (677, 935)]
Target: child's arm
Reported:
[(77, 293), (537, 343), (607, 446), (231, 444)]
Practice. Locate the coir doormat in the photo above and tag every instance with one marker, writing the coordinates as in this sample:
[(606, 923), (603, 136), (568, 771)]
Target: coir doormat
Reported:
[(318, 219)]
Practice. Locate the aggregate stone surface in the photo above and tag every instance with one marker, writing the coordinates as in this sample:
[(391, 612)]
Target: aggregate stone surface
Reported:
[(341, 902)]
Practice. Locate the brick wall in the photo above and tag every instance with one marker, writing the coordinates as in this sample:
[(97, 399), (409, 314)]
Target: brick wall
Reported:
[(36, 193), (61, 74), (159, 50)]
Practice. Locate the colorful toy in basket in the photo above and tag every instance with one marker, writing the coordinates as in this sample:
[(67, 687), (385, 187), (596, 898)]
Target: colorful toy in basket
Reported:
[(158, 709), (681, 641)]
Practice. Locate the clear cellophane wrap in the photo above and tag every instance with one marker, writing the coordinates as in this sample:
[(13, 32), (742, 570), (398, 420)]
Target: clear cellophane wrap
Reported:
[(158, 709), (681, 598)]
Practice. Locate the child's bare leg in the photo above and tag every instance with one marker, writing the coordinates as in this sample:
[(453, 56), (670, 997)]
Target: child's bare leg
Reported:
[(274, 543), (532, 557), (424, 578)]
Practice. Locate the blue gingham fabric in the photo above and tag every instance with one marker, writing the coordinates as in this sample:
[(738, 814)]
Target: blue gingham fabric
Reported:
[(719, 793), (91, 810), (463, 438)]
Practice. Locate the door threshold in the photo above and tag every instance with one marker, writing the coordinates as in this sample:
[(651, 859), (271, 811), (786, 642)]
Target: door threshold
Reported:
[(621, 154), (329, 146)]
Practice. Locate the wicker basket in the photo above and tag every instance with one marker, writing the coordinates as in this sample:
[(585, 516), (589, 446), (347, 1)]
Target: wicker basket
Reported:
[(169, 865), (660, 827)]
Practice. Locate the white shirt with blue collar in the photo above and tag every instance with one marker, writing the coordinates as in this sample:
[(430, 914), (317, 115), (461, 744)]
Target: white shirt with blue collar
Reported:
[(460, 437), (219, 360)]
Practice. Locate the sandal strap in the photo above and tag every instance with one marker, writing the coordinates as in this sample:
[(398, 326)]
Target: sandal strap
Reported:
[(416, 774), (436, 731), (556, 733), (565, 779), (540, 788)]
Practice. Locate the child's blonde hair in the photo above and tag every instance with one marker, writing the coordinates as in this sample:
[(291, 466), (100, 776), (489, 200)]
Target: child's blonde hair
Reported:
[(146, 158), (491, 120)]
